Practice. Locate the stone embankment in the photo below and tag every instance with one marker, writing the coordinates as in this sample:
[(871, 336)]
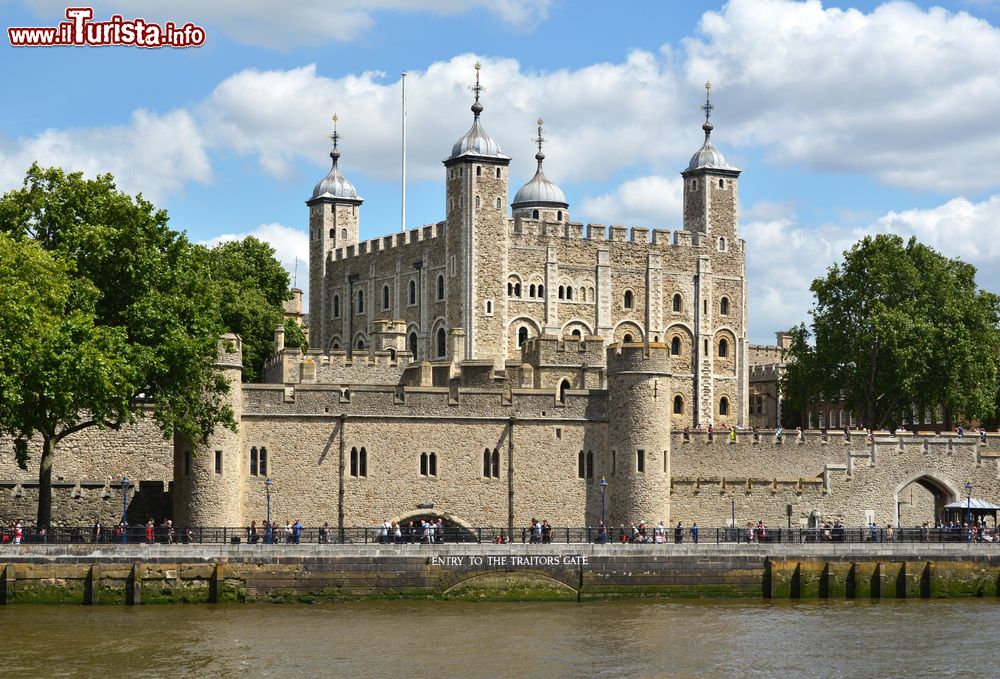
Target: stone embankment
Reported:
[(136, 574)]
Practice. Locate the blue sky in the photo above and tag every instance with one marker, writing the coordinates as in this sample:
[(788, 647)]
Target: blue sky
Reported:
[(846, 118)]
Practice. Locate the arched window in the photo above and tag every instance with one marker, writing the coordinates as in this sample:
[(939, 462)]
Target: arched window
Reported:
[(576, 332), (336, 306), (559, 215), (359, 463), (510, 289), (569, 292), (479, 170), (440, 288), (441, 343), (491, 463), (723, 348), (522, 336), (361, 301), (678, 405), (489, 307), (723, 406), (583, 294), (724, 306), (675, 346), (531, 290), (722, 244), (563, 386), (721, 185), (562, 292), (499, 204), (677, 302), (629, 299), (412, 344), (534, 214), (385, 297), (477, 201), (333, 233), (343, 234), (413, 293), (498, 174), (361, 343), (628, 337), (541, 290), (517, 290)]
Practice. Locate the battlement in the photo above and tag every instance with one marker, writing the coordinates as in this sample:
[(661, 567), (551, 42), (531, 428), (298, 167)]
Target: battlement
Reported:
[(520, 227), (384, 243), (761, 354), (638, 357), (563, 351)]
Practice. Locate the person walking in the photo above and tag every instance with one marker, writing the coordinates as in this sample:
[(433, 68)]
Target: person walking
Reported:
[(679, 533), (694, 532)]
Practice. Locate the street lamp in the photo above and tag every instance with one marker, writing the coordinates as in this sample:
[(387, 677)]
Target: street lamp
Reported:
[(604, 490), (968, 509), (125, 483), (268, 538)]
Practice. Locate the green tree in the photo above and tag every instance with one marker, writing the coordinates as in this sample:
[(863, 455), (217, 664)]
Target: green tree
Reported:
[(294, 337), (143, 313), (251, 286), (898, 325)]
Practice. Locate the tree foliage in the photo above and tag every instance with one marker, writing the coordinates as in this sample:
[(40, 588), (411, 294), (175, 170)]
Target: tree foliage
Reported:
[(251, 286), (127, 314), (295, 338), (896, 326)]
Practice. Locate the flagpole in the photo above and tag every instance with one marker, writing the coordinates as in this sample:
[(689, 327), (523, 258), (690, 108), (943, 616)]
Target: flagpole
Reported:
[(402, 214)]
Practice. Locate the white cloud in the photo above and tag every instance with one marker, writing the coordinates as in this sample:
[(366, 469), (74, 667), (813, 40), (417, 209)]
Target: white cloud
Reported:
[(906, 95), (302, 22), (650, 201), (153, 154), (288, 244), (784, 256)]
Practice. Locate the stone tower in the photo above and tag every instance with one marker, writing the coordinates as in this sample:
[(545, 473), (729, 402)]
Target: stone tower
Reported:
[(476, 224), (639, 400), (711, 203), (334, 222), (208, 486)]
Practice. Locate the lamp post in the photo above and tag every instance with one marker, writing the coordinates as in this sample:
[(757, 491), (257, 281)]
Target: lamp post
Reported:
[(968, 510), (604, 490), (268, 538), (125, 483)]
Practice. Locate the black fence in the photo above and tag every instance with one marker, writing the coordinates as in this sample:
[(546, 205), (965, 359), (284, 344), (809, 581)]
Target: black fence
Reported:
[(457, 534)]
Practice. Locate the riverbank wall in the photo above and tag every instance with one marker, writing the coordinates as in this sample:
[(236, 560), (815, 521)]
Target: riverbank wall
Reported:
[(146, 574)]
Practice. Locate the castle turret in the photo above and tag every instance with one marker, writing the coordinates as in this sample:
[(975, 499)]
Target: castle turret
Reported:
[(540, 198), (639, 401), (477, 193), (208, 486), (334, 222)]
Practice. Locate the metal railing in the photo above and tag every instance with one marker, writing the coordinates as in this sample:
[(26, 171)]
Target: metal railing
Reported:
[(63, 535)]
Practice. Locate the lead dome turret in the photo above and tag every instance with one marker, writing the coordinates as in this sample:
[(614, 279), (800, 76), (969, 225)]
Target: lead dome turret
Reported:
[(476, 142), (334, 185), (540, 198)]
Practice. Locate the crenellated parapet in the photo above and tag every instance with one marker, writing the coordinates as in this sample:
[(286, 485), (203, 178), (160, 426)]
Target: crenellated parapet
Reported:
[(523, 228), (395, 240)]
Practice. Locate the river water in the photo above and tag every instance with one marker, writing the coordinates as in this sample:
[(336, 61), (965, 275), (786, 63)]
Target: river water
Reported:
[(643, 638)]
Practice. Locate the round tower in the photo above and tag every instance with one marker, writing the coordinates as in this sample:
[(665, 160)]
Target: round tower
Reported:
[(639, 433), (208, 486)]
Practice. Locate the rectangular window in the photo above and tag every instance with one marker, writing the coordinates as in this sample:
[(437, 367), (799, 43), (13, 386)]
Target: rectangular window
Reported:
[(354, 462), (218, 462), (363, 467), (496, 463), (253, 462), (454, 265), (558, 432), (432, 464), (581, 466), (263, 461), (640, 461)]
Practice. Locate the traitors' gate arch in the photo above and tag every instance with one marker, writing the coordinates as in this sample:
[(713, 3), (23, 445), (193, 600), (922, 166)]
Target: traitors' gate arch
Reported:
[(944, 491)]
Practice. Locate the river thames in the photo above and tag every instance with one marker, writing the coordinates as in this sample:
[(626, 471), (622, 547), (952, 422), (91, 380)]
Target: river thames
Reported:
[(633, 638)]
